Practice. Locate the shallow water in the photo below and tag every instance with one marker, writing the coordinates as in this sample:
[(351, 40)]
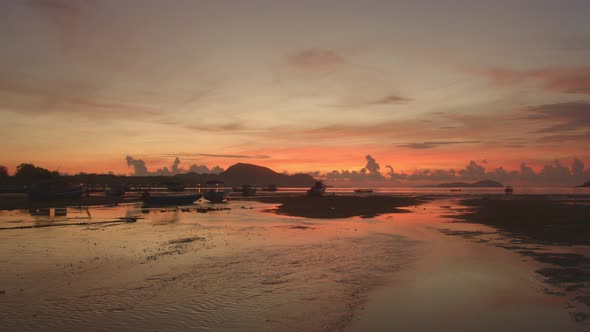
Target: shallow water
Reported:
[(241, 269)]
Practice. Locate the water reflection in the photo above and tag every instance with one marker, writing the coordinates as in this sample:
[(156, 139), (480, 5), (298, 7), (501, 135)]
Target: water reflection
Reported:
[(244, 269)]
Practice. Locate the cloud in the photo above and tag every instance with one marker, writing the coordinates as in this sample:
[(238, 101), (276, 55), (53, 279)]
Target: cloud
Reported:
[(140, 168), (473, 171), (314, 59), (574, 80), (222, 127), (434, 144), (570, 116), (565, 138), (555, 173), (38, 97), (175, 165), (391, 99), (369, 173), (372, 167), (237, 156)]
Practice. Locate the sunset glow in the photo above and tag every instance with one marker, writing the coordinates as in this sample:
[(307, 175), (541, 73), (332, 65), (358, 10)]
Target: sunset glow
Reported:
[(297, 86)]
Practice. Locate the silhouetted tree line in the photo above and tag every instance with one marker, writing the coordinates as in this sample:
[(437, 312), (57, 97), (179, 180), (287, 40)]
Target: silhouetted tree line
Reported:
[(27, 174)]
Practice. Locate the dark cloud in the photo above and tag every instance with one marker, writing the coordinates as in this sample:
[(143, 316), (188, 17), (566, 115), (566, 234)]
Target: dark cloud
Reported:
[(434, 144), (570, 116), (315, 59), (175, 165), (372, 167), (391, 99), (565, 138), (138, 165)]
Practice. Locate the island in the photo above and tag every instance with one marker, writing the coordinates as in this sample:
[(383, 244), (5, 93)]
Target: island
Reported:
[(585, 185)]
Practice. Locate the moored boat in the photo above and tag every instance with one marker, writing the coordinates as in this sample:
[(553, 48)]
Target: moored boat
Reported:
[(508, 190), (216, 192), (115, 190), (248, 190), (175, 186), (270, 187), (53, 190), (318, 189), (363, 191), (216, 196)]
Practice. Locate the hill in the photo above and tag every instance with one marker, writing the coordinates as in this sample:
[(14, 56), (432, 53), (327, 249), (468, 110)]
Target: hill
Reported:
[(587, 184), (479, 184), (242, 173)]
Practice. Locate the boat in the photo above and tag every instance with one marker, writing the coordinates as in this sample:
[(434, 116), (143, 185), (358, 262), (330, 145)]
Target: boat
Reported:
[(216, 196), (455, 189), (175, 186), (149, 199), (508, 190), (248, 190), (318, 189), (115, 190), (363, 191), (270, 187), (54, 190)]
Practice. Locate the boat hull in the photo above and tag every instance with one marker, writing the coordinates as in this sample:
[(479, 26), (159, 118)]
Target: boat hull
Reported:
[(47, 196), (216, 196)]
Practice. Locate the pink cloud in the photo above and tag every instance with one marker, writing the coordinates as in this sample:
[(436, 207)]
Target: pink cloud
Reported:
[(315, 59), (555, 79)]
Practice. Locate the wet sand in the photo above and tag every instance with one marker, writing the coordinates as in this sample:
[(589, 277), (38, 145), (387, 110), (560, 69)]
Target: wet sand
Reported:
[(332, 206), (551, 230), (540, 219), (460, 283), (242, 268), (180, 270)]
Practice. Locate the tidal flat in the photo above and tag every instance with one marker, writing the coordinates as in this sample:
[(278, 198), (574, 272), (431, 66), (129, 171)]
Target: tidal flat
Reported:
[(250, 266)]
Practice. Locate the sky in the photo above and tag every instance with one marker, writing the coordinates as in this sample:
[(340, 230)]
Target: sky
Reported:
[(297, 86)]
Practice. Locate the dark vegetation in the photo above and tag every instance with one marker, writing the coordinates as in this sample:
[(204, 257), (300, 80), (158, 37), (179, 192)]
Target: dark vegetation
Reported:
[(235, 175)]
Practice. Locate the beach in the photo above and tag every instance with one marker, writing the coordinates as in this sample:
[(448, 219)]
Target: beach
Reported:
[(265, 264)]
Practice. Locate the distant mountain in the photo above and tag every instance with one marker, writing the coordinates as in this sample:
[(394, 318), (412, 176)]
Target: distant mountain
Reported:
[(587, 184), (242, 173), (479, 184)]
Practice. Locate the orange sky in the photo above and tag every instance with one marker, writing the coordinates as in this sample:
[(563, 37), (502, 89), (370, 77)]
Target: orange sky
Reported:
[(295, 86)]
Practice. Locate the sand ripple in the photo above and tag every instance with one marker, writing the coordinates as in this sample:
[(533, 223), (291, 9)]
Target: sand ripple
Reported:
[(308, 287)]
